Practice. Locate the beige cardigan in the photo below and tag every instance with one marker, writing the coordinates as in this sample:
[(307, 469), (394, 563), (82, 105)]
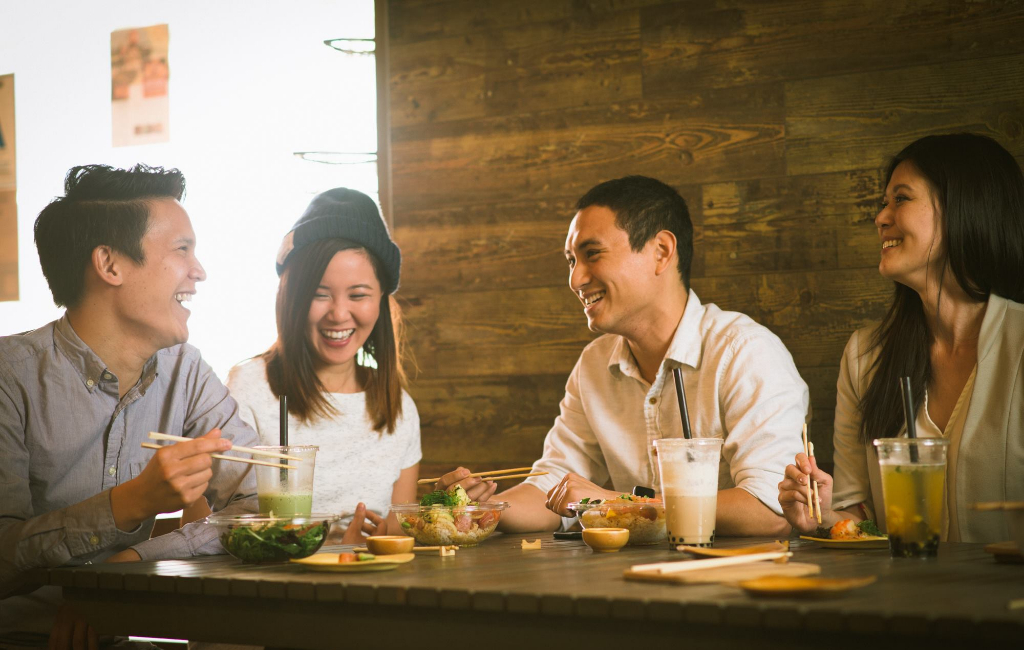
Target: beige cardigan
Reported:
[(990, 459)]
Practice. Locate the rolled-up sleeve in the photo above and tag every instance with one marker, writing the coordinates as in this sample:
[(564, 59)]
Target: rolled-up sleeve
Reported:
[(852, 482), (571, 445), (763, 408), (233, 486)]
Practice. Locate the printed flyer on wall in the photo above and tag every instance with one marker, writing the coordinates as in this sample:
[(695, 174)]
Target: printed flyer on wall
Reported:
[(139, 75)]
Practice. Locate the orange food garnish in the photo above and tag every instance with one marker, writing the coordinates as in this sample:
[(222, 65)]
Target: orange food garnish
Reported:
[(347, 557)]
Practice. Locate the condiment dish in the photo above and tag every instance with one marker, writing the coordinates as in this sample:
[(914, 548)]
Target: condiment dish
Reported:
[(389, 544), (606, 540)]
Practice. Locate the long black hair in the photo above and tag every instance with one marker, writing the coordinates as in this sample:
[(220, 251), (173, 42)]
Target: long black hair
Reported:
[(980, 193)]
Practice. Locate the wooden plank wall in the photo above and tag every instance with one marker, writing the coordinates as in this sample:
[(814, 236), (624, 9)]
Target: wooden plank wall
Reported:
[(773, 119)]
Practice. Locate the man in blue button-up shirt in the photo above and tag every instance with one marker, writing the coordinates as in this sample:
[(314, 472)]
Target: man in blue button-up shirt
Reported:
[(79, 395)]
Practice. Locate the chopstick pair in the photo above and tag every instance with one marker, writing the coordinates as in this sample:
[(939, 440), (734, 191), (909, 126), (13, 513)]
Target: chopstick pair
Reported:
[(813, 500), (492, 475), (251, 461)]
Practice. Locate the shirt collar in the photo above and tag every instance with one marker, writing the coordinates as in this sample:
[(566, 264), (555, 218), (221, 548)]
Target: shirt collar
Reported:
[(685, 349), (89, 366)]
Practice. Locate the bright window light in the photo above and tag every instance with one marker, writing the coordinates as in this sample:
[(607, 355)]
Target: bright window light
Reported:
[(264, 114)]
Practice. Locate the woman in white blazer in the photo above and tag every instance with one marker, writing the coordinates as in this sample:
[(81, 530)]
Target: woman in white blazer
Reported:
[(951, 236)]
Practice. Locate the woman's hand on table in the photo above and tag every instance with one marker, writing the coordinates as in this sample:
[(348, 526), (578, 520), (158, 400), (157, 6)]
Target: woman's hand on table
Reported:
[(476, 489), (572, 488), (364, 523), (793, 495)]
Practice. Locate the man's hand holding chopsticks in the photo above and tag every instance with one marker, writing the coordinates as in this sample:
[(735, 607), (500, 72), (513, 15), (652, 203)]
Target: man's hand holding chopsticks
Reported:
[(477, 489), (175, 476)]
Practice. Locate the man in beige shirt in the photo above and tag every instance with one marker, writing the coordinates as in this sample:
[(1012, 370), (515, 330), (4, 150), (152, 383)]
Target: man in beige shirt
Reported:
[(629, 249)]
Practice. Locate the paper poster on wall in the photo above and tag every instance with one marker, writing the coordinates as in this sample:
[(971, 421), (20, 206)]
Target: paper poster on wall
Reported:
[(138, 85), (8, 183)]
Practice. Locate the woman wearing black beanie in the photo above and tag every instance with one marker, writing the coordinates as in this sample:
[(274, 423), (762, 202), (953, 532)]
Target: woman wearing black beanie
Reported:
[(337, 358)]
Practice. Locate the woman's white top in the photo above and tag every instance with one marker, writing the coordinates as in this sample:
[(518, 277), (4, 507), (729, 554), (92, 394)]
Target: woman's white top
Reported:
[(354, 463)]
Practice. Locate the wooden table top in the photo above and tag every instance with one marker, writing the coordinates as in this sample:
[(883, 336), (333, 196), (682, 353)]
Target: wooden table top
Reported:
[(555, 591)]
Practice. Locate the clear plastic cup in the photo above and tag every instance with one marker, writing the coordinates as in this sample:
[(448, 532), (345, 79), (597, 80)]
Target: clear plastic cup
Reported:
[(689, 488), (913, 488), (287, 492)]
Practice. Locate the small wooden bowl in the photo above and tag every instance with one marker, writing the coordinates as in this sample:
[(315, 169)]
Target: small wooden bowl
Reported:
[(389, 544), (606, 540)]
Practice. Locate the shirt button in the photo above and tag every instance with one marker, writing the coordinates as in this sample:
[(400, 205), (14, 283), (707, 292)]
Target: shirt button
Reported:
[(107, 375), (90, 383), (94, 540), (654, 400), (112, 471)]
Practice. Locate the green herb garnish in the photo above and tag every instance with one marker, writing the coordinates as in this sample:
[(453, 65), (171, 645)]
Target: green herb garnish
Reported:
[(439, 498), (868, 527)]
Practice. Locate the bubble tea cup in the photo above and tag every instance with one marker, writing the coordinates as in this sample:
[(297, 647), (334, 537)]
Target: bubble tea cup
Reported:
[(689, 487), (287, 492)]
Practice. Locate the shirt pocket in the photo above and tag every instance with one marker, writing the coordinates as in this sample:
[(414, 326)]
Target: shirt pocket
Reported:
[(134, 469)]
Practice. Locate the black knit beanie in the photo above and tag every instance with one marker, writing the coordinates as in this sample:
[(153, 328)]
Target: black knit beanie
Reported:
[(345, 214)]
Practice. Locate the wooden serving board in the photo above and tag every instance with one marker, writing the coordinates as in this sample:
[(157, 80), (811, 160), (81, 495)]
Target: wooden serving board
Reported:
[(1006, 552), (728, 574)]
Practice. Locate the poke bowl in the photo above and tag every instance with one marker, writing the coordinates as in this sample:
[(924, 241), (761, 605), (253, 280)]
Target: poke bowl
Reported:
[(643, 517), (440, 524), (254, 538)]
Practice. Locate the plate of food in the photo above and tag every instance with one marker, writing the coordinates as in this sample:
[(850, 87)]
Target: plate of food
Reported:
[(850, 534), (444, 518), (643, 517), (354, 562), (789, 586)]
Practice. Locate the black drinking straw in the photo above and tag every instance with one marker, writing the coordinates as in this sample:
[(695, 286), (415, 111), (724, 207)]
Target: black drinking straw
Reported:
[(909, 415), (284, 420), (284, 433), (681, 396)]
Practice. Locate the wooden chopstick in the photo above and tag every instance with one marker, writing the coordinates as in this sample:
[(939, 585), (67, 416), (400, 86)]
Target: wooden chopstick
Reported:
[(711, 563), (812, 486), (153, 445), (502, 478), (363, 549), (490, 473), (248, 450), (817, 499)]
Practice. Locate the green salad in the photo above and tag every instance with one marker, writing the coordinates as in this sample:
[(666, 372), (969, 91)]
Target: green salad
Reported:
[(275, 541)]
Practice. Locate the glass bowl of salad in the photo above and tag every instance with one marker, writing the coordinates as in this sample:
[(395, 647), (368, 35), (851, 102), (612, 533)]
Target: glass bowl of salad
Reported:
[(444, 518), (255, 538), (642, 516)]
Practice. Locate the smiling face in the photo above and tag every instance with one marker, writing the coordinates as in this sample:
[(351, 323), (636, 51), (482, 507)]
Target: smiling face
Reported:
[(344, 309), (910, 229), (611, 280), (149, 302)]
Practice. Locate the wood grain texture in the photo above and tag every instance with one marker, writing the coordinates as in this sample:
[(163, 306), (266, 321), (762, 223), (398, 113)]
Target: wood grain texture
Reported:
[(833, 124), (514, 245), (723, 43), (536, 592), (773, 119)]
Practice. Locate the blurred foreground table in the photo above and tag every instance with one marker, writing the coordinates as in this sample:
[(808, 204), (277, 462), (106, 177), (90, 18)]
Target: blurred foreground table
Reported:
[(500, 596)]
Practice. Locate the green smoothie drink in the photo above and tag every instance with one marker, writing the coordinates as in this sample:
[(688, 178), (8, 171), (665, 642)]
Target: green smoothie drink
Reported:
[(287, 492), (286, 505)]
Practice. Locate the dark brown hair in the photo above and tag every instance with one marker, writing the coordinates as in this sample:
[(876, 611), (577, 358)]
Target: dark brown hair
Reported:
[(101, 206), (980, 193), (644, 207), (290, 360)]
